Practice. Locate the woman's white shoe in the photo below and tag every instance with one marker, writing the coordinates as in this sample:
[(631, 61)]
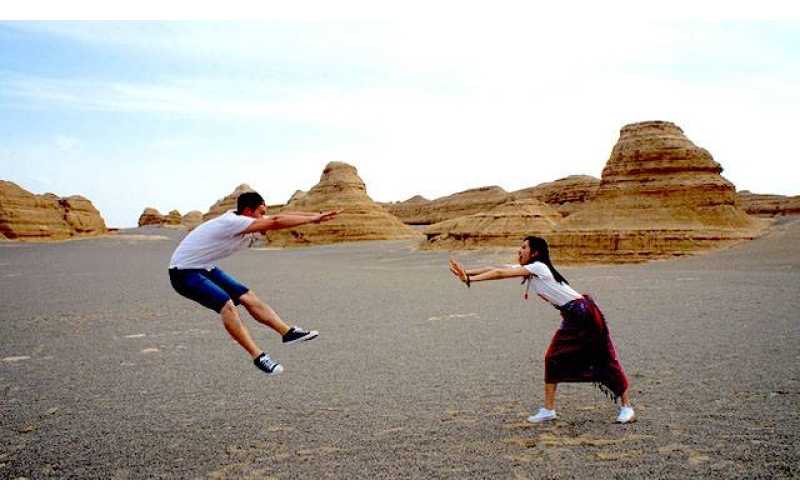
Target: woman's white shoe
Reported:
[(543, 416), (626, 415)]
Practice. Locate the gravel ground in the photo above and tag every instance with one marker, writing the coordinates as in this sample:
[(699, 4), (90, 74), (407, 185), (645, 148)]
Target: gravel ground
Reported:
[(106, 373)]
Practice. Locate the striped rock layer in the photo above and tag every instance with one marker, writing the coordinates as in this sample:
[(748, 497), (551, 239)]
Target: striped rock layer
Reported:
[(504, 225), (362, 219), (30, 217), (769, 205), (660, 196)]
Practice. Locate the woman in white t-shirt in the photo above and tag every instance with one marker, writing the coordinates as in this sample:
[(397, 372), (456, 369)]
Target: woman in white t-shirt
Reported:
[(581, 349)]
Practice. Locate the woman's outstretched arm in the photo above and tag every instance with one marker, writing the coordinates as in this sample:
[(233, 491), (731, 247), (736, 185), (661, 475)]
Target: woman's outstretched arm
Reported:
[(468, 276)]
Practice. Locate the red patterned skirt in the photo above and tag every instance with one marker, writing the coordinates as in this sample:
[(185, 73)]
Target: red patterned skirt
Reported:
[(582, 351)]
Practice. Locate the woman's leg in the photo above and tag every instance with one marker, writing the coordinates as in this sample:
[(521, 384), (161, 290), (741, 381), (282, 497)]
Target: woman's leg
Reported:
[(625, 398), (550, 396)]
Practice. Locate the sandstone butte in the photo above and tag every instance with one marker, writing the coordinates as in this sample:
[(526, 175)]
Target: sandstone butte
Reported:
[(660, 196), (769, 205), (29, 217), (504, 225), (413, 211), (173, 220), (229, 203), (362, 219), (417, 210), (565, 195), (192, 219)]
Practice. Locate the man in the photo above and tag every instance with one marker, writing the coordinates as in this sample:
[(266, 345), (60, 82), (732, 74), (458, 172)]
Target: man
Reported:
[(193, 272)]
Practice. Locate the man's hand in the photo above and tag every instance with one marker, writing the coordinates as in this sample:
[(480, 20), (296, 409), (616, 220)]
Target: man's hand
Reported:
[(326, 216)]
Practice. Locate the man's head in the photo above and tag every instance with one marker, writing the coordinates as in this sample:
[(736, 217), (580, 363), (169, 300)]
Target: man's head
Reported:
[(250, 204)]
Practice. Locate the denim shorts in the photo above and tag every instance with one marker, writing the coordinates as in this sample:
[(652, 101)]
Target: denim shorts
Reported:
[(212, 289)]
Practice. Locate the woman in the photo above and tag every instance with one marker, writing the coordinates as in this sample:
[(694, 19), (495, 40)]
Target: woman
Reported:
[(581, 350)]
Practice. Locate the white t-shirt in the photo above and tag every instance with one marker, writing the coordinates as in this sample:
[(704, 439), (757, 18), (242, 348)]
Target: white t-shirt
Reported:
[(211, 241), (547, 287)]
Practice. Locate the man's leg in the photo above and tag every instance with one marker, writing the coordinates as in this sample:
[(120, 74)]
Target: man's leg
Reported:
[(263, 313), (237, 329)]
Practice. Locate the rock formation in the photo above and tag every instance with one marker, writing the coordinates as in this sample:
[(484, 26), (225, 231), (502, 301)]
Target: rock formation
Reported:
[(769, 205), (82, 217), (505, 225), (472, 201), (229, 203), (565, 195), (173, 218), (226, 203), (26, 216), (340, 187), (412, 211), (660, 196), (150, 217), (296, 196), (192, 219)]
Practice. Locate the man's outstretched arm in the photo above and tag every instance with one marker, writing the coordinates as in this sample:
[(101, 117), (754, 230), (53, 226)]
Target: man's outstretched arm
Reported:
[(287, 220)]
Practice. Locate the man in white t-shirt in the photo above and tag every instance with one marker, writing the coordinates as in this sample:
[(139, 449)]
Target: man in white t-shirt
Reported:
[(194, 274)]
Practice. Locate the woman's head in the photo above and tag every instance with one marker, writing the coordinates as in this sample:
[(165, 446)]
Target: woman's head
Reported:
[(532, 249), (535, 249)]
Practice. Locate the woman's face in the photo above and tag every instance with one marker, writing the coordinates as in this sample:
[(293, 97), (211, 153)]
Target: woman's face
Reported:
[(524, 253)]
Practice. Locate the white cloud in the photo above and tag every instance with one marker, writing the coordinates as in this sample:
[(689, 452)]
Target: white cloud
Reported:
[(65, 143)]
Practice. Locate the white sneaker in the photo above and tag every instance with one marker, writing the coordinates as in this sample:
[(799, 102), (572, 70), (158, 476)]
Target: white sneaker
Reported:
[(626, 415), (543, 416)]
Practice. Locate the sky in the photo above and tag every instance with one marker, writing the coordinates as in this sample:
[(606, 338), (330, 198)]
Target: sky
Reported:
[(174, 115)]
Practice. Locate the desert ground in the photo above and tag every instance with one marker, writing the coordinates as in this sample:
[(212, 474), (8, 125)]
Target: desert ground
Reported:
[(106, 373)]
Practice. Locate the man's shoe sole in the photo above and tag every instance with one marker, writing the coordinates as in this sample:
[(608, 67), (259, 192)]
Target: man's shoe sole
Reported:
[(276, 371), (302, 339)]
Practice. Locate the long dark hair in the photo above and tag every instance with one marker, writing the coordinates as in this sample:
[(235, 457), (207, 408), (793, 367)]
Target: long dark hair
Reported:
[(539, 246)]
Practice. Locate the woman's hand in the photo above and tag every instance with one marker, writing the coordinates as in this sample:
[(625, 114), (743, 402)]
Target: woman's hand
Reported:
[(459, 271)]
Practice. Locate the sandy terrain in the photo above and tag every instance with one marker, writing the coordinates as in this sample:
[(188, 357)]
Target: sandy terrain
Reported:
[(106, 373)]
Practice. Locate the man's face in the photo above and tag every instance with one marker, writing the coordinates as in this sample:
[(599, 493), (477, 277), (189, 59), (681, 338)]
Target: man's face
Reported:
[(257, 213)]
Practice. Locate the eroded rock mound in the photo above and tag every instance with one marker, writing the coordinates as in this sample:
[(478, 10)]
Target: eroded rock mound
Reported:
[(150, 217), (173, 218), (340, 187), (26, 216), (660, 196), (82, 217), (412, 211), (469, 202), (505, 225), (769, 205), (227, 203), (192, 219), (565, 195), (296, 196)]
